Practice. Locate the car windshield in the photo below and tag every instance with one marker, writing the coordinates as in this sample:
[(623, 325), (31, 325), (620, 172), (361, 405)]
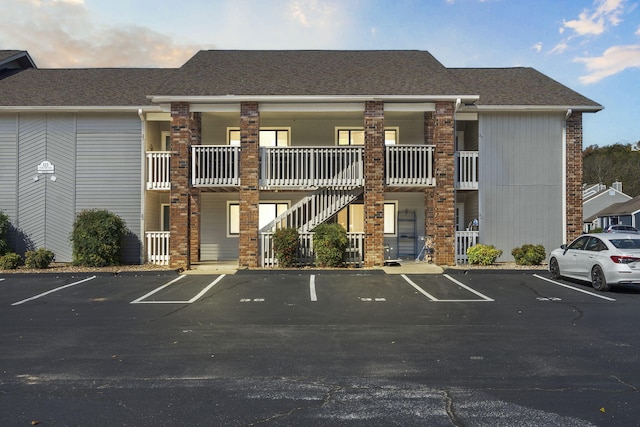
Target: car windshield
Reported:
[(626, 243)]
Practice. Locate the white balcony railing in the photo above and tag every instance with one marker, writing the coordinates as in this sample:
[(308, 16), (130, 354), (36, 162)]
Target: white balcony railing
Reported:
[(466, 170), (157, 246), (301, 167), (306, 256), (311, 167), (464, 240), (409, 165), (215, 165), (158, 170)]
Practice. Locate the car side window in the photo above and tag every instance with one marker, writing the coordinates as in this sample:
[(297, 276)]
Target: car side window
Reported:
[(579, 243), (595, 245)]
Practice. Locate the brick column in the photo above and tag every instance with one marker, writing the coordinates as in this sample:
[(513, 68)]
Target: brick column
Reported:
[(444, 204), (179, 210), (574, 176), (249, 176), (194, 202), (373, 183)]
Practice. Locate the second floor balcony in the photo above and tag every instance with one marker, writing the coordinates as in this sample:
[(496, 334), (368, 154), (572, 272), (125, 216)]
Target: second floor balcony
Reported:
[(311, 167)]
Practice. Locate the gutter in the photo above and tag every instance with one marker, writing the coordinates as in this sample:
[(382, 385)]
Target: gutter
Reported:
[(309, 98)]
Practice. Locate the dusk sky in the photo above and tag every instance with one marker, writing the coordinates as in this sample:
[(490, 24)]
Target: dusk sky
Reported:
[(590, 46)]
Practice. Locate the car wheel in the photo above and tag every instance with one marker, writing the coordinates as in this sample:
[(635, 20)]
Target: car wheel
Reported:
[(598, 281), (554, 268)]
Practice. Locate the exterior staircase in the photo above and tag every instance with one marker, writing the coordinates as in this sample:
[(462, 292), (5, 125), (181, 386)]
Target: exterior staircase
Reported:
[(314, 209)]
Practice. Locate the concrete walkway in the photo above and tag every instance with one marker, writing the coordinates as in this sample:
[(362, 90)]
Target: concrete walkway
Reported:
[(405, 267)]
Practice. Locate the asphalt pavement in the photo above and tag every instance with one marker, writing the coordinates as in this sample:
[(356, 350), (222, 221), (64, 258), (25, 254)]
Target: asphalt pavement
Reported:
[(314, 347)]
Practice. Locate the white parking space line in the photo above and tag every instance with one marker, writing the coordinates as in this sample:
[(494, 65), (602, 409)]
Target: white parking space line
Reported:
[(54, 290), (419, 289), (573, 288), (1, 280), (312, 288), (199, 295), (434, 299), (473, 291)]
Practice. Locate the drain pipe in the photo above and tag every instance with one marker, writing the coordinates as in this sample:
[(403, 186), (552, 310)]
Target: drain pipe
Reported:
[(143, 137)]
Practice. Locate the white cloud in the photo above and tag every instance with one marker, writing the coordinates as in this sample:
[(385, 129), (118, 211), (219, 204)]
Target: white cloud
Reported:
[(637, 33), (614, 60), (560, 47), (595, 21), (62, 33), (537, 47), (312, 12)]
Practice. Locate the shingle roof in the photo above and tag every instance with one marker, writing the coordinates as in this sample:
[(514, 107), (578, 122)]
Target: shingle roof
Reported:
[(285, 73), (622, 208), (81, 87), (312, 72), (519, 86)]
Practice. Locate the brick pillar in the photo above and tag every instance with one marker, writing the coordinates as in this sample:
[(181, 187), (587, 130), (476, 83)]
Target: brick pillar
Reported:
[(373, 183), (429, 127), (249, 176), (194, 239), (574, 176), (444, 203), (179, 210)]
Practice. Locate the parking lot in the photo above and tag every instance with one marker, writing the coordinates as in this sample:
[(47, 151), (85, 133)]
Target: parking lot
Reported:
[(317, 347)]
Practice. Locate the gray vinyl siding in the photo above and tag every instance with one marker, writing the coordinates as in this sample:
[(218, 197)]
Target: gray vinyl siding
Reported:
[(8, 168), (109, 172), (520, 195)]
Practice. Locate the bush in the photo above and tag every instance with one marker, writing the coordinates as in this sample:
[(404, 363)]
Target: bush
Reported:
[(38, 259), (483, 254), (4, 226), (97, 238), (330, 245), (10, 261), (529, 254), (285, 246)]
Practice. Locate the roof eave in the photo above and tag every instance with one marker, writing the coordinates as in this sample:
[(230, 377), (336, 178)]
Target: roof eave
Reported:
[(81, 108), (308, 98), (540, 108)]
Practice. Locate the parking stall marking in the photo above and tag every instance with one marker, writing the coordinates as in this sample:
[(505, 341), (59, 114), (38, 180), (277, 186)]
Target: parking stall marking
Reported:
[(574, 288), (53, 290), (199, 295), (483, 297), (312, 288)]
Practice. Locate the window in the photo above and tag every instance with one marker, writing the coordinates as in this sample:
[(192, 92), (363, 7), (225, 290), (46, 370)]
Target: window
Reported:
[(352, 218), (356, 136), (267, 212), (164, 217), (268, 137), (580, 243)]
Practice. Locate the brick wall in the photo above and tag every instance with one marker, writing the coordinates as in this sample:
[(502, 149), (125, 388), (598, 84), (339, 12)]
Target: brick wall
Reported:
[(249, 180), (574, 176), (444, 203), (374, 183), (194, 203), (179, 210), (429, 193)]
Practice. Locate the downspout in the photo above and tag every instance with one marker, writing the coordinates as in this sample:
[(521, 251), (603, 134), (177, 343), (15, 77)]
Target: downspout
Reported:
[(564, 176), (143, 128)]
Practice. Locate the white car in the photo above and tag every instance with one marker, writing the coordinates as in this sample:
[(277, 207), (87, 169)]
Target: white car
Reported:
[(599, 258)]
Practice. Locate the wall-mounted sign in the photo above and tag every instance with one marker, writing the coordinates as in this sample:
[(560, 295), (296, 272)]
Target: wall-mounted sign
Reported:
[(46, 167)]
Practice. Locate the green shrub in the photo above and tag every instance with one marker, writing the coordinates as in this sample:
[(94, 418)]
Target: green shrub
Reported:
[(285, 246), (97, 238), (529, 254), (483, 254), (330, 245), (4, 226), (10, 261), (38, 259)]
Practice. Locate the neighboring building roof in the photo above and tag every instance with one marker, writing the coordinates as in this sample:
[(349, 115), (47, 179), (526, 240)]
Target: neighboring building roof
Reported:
[(80, 87), (12, 59), (520, 86), (311, 73), (624, 208)]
